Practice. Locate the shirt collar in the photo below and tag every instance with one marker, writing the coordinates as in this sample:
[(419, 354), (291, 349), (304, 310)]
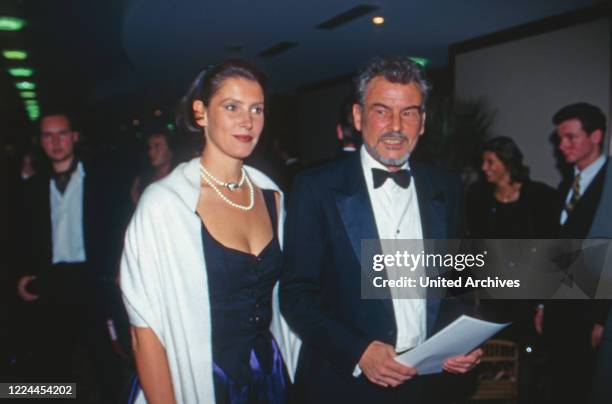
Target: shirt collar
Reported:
[(80, 170), (592, 169)]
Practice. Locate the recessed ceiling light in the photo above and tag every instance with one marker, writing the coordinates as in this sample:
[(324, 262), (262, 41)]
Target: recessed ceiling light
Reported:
[(25, 85), (378, 20), (33, 111), (14, 54), (27, 94), (20, 71), (11, 23)]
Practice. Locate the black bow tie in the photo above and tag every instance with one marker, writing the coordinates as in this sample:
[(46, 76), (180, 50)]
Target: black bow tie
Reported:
[(401, 177)]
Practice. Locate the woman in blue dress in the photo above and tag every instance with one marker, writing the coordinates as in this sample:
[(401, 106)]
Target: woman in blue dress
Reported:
[(202, 258)]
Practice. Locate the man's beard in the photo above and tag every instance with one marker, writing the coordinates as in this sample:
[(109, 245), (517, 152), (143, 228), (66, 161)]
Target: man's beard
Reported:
[(387, 161)]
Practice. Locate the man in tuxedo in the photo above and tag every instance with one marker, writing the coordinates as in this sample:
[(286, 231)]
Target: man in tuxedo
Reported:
[(349, 343), (69, 244), (572, 329)]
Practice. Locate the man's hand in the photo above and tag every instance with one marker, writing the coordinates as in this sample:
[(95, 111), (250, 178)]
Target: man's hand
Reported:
[(378, 365), (463, 364), (596, 335), (22, 288), (538, 320)]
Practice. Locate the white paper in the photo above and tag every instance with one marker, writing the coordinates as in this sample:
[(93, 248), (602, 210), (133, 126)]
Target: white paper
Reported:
[(458, 338)]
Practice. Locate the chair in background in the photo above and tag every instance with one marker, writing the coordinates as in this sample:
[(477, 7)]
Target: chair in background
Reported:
[(498, 372)]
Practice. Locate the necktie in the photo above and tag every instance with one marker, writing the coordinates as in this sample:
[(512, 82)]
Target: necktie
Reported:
[(575, 195), (401, 177), (62, 179)]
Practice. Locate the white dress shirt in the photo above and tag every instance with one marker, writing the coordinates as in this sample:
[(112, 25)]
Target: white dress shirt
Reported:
[(586, 177), (397, 216), (67, 219)]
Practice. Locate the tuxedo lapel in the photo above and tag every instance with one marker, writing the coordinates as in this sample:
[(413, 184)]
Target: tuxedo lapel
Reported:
[(355, 209), (432, 209), (432, 205)]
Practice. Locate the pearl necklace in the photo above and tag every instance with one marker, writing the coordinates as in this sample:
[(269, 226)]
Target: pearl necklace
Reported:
[(232, 186), (210, 180)]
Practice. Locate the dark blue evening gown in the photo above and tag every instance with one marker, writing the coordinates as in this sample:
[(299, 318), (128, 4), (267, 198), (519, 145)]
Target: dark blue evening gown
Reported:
[(248, 367)]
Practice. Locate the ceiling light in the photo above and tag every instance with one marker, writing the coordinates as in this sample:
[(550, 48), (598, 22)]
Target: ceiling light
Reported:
[(420, 61), (25, 85), (20, 71), (14, 54), (33, 112), (33, 115), (11, 23), (27, 94), (378, 20)]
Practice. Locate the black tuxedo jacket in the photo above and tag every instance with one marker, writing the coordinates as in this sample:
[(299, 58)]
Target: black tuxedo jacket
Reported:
[(329, 214)]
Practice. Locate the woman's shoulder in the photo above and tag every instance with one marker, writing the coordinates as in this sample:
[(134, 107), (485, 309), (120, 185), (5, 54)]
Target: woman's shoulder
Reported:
[(160, 195), (261, 179)]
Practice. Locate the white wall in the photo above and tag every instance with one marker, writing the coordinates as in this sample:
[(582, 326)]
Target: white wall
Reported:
[(529, 79)]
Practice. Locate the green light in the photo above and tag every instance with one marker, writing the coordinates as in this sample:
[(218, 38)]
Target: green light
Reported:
[(11, 24), (420, 61), (170, 126), (31, 103), (27, 94), (14, 54), (21, 71), (25, 85)]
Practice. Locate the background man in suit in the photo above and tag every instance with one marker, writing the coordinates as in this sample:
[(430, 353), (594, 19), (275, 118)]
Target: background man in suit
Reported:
[(602, 266), (573, 328), (69, 244), (348, 342), (348, 136)]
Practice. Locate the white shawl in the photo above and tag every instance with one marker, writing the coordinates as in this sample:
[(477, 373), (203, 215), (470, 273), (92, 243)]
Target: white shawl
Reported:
[(164, 281)]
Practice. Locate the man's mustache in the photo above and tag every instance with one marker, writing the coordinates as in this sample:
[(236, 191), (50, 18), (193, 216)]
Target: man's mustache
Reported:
[(392, 136)]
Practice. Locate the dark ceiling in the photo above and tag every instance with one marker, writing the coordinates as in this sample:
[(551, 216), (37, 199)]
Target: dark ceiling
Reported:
[(121, 57)]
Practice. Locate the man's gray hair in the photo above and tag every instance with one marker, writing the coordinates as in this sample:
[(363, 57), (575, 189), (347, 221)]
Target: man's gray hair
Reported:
[(394, 69)]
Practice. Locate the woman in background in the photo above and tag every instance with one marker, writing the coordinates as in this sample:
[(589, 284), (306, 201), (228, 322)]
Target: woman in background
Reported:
[(508, 204), (160, 154), (202, 258)]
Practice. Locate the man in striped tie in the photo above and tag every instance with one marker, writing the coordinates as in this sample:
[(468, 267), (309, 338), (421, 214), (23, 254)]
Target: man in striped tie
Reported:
[(572, 329)]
